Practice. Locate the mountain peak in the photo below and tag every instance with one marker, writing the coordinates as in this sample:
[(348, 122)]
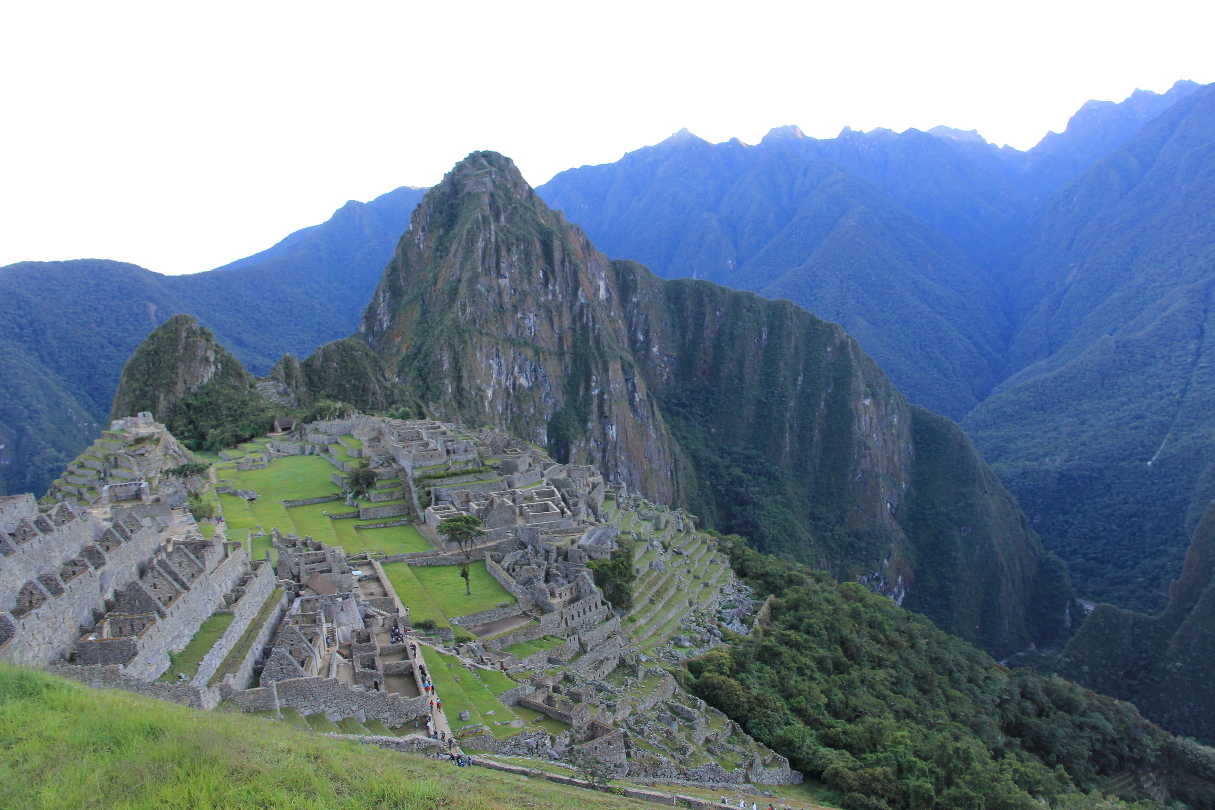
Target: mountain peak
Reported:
[(963, 135), (789, 132)]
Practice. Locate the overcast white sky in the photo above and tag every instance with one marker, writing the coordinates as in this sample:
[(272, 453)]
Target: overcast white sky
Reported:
[(183, 136)]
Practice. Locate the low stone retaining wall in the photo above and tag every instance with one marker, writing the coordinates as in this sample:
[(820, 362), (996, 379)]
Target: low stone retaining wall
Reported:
[(386, 525), (337, 462), (512, 696), (549, 625), (310, 501), (672, 800), (491, 615), (374, 512), (378, 495), (112, 677)]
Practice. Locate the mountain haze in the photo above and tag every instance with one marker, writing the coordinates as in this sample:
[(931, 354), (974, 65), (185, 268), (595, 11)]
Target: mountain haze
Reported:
[(760, 417), (781, 222), (1104, 430)]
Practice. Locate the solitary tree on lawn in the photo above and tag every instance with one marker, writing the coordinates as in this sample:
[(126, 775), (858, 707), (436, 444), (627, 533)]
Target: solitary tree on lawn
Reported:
[(463, 530)]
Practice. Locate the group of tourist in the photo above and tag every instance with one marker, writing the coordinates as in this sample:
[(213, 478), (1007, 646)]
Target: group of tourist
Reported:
[(397, 636), (462, 760), (743, 805)]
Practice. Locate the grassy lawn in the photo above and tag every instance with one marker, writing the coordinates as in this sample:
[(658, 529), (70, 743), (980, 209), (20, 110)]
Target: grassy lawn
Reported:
[(446, 589), (413, 595), (437, 591), (471, 693), (294, 719), (187, 660), (496, 682), (522, 649), (318, 722)]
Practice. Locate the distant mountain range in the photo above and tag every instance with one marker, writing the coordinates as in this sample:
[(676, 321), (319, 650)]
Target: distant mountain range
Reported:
[(994, 286), (67, 328), (966, 269)]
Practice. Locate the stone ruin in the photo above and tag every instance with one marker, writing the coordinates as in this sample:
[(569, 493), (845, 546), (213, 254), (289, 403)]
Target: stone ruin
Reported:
[(104, 594)]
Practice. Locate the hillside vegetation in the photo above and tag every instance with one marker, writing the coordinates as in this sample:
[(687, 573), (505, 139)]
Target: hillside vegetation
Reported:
[(68, 746), (893, 713), (1163, 663)]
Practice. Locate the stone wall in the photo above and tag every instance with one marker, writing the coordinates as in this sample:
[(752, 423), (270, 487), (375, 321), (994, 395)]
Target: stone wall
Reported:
[(377, 512), (49, 631), (379, 495), (310, 501), (336, 700), (243, 675), (185, 614), (672, 800), (512, 696), (548, 625), (262, 699), (114, 678), (491, 615), (445, 490), (257, 590)]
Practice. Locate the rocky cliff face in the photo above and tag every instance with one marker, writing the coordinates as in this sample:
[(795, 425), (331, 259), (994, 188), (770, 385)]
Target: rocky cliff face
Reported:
[(760, 417)]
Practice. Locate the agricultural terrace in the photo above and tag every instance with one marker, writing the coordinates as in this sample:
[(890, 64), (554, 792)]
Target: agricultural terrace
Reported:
[(299, 478)]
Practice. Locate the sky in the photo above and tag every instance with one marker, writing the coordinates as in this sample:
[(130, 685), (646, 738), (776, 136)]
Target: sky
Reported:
[(180, 137)]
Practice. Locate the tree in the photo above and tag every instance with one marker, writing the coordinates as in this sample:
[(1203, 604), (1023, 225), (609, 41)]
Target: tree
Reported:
[(463, 530), (361, 480), (615, 577)]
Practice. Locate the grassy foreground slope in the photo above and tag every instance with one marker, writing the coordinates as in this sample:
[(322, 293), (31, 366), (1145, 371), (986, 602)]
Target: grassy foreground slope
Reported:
[(65, 745)]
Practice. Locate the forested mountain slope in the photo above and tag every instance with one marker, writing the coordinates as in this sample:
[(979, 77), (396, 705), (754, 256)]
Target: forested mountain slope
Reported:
[(1104, 432), (1162, 663), (892, 713), (755, 414), (67, 328)]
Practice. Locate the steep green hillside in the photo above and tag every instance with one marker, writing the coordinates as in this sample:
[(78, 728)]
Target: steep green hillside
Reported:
[(187, 381), (70, 746), (1104, 432), (759, 416), (1162, 663), (892, 713), (68, 327)]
